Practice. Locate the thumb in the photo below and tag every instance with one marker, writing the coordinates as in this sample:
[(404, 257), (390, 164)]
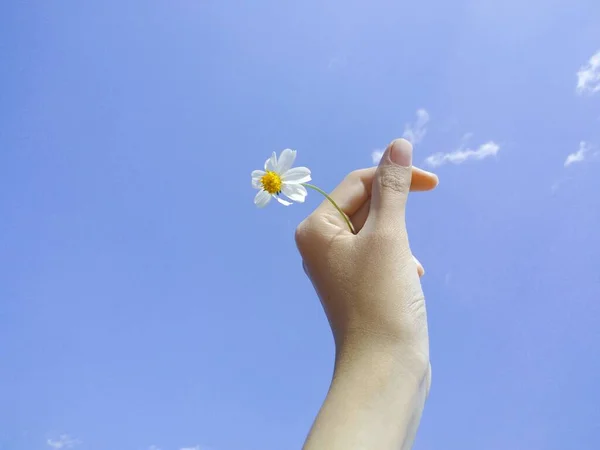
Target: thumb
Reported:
[(391, 186)]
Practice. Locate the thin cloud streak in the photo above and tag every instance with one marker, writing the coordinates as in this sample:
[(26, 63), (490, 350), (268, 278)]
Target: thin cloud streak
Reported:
[(63, 441), (415, 132), (487, 150), (583, 154), (376, 156), (579, 155)]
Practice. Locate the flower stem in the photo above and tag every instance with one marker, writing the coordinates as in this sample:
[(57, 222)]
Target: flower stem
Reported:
[(321, 191)]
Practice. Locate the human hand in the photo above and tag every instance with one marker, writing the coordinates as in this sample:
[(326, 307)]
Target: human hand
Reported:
[(369, 286), (368, 282)]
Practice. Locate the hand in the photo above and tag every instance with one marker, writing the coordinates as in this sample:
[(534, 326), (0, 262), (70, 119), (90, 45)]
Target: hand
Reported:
[(369, 286), (367, 281)]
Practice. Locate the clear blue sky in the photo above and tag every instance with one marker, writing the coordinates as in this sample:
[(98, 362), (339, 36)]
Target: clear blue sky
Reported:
[(145, 301)]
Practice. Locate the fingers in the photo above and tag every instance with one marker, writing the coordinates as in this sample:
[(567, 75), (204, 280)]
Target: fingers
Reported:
[(423, 180), (360, 217), (349, 195), (354, 192), (391, 185)]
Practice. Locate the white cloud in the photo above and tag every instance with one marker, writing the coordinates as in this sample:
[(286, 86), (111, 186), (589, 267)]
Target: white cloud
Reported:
[(580, 155), (461, 155), (63, 441), (197, 447), (588, 77), (153, 447), (376, 155), (415, 132)]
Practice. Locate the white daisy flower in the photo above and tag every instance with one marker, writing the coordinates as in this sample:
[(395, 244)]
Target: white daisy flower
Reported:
[(279, 177)]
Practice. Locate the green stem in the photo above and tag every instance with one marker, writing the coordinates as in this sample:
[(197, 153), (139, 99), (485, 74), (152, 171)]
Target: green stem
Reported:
[(321, 191)]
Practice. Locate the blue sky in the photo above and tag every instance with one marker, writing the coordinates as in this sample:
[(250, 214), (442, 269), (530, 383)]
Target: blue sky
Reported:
[(145, 301)]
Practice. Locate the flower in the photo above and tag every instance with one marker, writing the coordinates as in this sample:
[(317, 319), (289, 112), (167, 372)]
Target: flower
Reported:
[(279, 177)]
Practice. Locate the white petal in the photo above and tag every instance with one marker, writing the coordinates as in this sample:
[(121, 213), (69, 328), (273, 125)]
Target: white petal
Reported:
[(256, 176), (262, 199), (271, 163), (296, 175), (295, 192), (286, 160), (283, 202)]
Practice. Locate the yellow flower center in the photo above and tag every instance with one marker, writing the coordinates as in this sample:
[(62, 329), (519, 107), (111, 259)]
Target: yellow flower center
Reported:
[(271, 182)]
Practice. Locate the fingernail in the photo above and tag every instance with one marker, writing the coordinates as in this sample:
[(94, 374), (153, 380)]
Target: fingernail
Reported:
[(401, 152)]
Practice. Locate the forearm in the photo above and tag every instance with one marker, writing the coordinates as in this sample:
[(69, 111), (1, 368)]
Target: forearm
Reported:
[(375, 400)]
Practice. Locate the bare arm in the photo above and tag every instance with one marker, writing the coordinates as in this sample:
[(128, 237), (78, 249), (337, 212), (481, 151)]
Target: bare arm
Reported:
[(375, 400), (369, 287)]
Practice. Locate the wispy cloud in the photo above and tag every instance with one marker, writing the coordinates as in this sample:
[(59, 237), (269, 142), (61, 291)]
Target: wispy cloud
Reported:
[(154, 447), (63, 441), (588, 77), (580, 155), (197, 447), (376, 155), (415, 132), (558, 184), (487, 150)]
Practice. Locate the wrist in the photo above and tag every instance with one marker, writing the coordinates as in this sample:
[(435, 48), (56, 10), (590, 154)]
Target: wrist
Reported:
[(409, 356)]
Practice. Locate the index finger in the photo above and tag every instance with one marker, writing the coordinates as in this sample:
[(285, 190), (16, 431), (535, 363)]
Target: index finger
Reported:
[(355, 190), (423, 180)]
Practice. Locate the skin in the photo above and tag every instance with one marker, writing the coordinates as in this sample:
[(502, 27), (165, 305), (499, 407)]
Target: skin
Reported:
[(369, 286)]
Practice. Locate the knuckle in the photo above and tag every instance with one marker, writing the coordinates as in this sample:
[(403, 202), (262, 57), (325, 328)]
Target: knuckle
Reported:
[(395, 178), (310, 236), (301, 232), (304, 233)]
